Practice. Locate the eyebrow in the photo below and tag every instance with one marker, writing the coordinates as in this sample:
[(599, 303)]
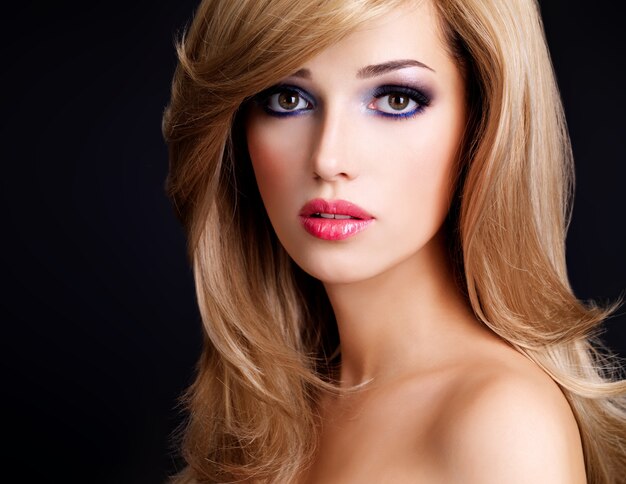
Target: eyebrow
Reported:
[(380, 69), (374, 69), (302, 73)]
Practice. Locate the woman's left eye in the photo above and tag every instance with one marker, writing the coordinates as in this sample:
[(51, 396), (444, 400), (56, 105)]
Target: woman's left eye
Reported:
[(398, 101), (394, 103)]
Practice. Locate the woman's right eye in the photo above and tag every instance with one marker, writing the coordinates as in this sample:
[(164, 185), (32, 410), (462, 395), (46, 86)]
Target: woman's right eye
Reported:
[(287, 101)]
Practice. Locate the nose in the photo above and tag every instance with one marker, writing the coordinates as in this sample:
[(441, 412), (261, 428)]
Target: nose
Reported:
[(330, 153)]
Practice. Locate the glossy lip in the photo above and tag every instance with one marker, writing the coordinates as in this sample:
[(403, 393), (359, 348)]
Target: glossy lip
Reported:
[(333, 228)]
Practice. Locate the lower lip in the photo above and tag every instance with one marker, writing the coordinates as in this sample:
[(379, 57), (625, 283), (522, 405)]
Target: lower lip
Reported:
[(334, 229)]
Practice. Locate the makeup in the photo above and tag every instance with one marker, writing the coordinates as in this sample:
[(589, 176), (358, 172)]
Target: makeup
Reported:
[(401, 100), (333, 219), (388, 101), (272, 100)]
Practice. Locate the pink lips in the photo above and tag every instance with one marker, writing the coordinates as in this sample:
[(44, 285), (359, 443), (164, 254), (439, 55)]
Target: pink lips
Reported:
[(333, 220)]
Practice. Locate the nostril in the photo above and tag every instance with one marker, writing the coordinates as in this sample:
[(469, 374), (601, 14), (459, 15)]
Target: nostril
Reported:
[(330, 176)]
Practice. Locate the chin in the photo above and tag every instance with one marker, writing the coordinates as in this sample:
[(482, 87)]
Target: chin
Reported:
[(338, 270)]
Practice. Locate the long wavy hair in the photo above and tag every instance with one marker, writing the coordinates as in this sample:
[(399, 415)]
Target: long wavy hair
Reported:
[(270, 332)]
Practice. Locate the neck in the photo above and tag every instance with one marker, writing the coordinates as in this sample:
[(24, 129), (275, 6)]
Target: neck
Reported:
[(402, 319)]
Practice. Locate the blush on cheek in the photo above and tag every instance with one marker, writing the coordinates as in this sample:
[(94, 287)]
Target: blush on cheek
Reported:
[(278, 152), (276, 181), (265, 157), (269, 177)]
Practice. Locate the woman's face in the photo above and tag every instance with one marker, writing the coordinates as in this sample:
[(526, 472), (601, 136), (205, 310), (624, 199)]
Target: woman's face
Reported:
[(355, 153)]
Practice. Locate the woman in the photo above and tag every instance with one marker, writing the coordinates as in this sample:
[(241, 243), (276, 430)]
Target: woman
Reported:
[(375, 194)]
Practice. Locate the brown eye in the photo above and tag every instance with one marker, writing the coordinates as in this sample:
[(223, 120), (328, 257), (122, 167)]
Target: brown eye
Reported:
[(393, 101), (288, 100), (285, 100), (398, 101)]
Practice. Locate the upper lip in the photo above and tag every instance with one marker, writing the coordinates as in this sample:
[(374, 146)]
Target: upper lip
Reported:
[(335, 207)]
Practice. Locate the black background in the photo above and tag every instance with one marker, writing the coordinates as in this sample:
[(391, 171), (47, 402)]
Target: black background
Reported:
[(100, 328)]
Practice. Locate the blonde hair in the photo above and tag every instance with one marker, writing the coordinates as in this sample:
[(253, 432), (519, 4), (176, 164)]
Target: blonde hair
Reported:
[(269, 328)]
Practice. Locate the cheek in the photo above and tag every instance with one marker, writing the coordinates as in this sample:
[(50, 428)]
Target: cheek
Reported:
[(274, 157), (268, 169), (442, 149), (423, 182)]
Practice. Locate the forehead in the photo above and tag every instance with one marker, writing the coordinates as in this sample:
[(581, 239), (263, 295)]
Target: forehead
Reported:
[(409, 31)]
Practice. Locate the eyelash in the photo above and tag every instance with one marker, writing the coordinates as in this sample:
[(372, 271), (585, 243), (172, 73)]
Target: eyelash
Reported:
[(263, 99), (421, 99)]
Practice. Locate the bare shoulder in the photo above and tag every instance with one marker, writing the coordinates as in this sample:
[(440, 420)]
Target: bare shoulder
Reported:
[(508, 422)]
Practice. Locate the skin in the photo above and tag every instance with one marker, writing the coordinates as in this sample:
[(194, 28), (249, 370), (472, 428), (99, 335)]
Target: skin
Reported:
[(448, 401)]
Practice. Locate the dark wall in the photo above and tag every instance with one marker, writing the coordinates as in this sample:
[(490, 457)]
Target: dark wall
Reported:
[(588, 51), (98, 302), (100, 327)]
